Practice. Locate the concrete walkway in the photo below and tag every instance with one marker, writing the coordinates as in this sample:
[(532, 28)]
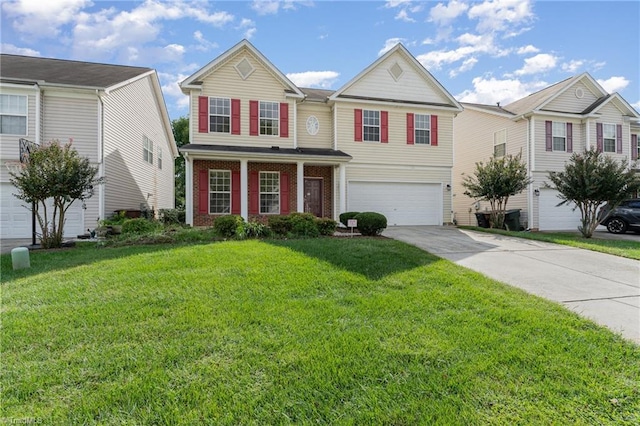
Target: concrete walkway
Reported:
[(601, 287)]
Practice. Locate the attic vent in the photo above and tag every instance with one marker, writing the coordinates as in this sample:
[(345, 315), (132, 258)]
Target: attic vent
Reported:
[(579, 93), (244, 68), (396, 71)]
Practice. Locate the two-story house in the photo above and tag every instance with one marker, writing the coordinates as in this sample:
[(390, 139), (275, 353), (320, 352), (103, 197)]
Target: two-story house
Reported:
[(260, 145), (114, 115), (546, 127)]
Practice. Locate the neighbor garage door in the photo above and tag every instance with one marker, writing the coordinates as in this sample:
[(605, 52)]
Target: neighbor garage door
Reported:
[(552, 218), (402, 203)]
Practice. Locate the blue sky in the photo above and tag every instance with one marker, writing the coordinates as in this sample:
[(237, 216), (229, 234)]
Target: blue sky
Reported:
[(481, 51)]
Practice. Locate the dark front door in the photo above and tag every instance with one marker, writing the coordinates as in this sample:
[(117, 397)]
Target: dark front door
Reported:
[(313, 196)]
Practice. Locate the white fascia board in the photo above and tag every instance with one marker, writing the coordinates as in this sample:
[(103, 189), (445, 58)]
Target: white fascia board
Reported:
[(162, 109), (129, 81), (196, 154), (487, 111)]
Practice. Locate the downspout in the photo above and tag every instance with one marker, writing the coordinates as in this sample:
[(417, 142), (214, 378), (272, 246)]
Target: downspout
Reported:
[(529, 175), (101, 166), (295, 124), (38, 134)]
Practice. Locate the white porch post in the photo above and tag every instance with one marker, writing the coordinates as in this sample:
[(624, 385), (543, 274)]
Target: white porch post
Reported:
[(244, 190), (188, 190), (343, 188), (300, 187)]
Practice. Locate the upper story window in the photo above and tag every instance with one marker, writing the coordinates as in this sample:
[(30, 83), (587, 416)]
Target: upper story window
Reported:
[(371, 125), (160, 158), (269, 192), (559, 136), (500, 143), (13, 115), (219, 191), (147, 150), (423, 128), (609, 137), (219, 115), (269, 118)]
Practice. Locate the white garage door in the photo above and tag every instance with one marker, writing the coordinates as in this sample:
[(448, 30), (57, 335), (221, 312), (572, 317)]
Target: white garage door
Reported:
[(552, 218), (15, 219), (402, 203)]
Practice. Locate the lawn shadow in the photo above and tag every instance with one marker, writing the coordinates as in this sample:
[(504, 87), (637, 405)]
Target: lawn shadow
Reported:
[(374, 258)]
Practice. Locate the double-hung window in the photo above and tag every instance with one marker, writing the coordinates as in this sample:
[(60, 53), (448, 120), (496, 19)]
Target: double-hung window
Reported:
[(422, 129), (13, 114), (269, 118), (269, 192), (160, 158), (609, 137), (219, 191), (559, 136), (500, 143), (371, 125), (219, 115), (147, 150)]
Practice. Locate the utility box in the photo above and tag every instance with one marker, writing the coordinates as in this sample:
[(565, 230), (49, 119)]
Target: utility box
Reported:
[(20, 258)]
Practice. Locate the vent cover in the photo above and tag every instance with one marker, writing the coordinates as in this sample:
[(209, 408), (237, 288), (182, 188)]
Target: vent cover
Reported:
[(244, 68), (396, 71)]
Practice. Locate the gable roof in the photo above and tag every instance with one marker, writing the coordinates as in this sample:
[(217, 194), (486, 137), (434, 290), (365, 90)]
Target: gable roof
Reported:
[(615, 99), (48, 71), (491, 109), (400, 49), (195, 80)]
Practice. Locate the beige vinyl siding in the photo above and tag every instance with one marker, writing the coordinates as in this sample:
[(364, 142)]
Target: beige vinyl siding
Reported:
[(72, 118), (323, 113), (9, 146), (130, 113), (225, 82), (609, 114), (568, 101), (555, 160)]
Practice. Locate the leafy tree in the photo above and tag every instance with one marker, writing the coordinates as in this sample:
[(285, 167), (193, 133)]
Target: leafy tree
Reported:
[(180, 128), (54, 172), (590, 179), (496, 181)]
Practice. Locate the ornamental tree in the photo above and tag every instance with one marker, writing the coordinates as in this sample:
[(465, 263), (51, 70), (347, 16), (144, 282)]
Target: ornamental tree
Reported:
[(53, 178), (496, 181), (590, 179)]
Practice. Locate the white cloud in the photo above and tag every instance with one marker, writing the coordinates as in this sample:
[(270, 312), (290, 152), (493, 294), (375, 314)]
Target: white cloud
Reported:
[(403, 15), (428, 41), (43, 18), (249, 28), (538, 64), (525, 50), (15, 50), (490, 90), (501, 15), (443, 15), (390, 44), (321, 79), (467, 65), (636, 105), (613, 84), (395, 3), (170, 84), (271, 7), (203, 45), (572, 66)]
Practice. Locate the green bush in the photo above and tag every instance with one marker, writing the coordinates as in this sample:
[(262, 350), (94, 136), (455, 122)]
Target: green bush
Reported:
[(371, 223), (344, 217), (229, 225), (172, 216), (139, 226), (280, 225), (255, 230), (304, 225), (326, 226)]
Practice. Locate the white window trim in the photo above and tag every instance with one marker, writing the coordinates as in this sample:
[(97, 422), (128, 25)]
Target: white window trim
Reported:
[(159, 150), (147, 148), (496, 144), (260, 193), (219, 115), (604, 138), (379, 125), (277, 119), (416, 128), (220, 192), (26, 115), (553, 136)]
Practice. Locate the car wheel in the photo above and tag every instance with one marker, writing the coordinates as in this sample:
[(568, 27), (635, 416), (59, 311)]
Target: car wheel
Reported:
[(617, 226)]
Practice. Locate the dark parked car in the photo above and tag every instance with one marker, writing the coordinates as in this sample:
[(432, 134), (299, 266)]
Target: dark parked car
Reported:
[(624, 217)]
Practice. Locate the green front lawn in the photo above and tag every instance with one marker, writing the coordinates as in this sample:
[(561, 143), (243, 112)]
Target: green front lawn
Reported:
[(330, 331)]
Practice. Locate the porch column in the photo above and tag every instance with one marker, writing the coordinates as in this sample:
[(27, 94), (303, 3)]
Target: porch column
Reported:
[(300, 188), (244, 190), (188, 190), (343, 188)]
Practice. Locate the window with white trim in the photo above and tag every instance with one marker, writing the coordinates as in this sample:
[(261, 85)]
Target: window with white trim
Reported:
[(13, 115), (147, 150), (371, 125), (219, 115), (422, 129), (500, 143), (559, 135), (269, 192), (160, 158), (269, 118), (219, 191), (609, 137)]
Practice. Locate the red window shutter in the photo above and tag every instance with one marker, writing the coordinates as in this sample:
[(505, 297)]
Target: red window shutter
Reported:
[(384, 126), (619, 139), (253, 118), (434, 130), (599, 137), (284, 120), (203, 114), (569, 137), (203, 191), (634, 147), (357, 124), (254, 193), (235, 116), (410, 129), (284, 193), (235, 192), (548, 135)]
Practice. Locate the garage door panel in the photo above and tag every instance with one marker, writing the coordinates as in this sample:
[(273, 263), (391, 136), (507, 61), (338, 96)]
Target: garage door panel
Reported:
[(556, 218)]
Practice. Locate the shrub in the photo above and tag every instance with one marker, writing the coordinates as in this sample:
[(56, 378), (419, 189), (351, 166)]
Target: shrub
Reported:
[(280, 225), (344, 217), (139, 226), (172, 216), (371, 223), (227, 226), (304, 225), (255, 230), (326, 226)]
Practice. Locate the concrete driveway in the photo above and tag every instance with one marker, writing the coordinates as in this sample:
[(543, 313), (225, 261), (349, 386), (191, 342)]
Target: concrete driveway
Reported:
[(601, 287)]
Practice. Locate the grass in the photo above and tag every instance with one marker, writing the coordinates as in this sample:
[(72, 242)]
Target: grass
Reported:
[(623, 248), (332, 331)]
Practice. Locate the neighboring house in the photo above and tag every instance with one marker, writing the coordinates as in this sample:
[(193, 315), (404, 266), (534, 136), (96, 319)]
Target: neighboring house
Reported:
[(546, 127), (261, 146), (114, 115)]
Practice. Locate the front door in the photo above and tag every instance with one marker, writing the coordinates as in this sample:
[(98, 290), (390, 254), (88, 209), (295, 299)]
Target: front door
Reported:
[(313, 196)]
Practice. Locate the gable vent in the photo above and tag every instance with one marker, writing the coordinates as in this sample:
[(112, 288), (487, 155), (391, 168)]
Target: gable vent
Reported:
[(396, 71), (244, 68)]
